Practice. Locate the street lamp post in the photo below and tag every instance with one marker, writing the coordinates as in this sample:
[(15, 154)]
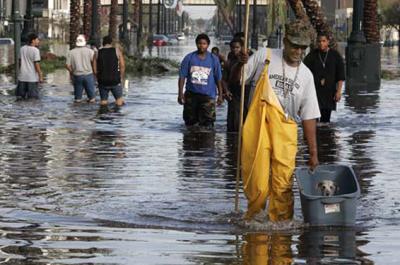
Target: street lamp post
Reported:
[(17, 19), (28, 21), (363, 65)]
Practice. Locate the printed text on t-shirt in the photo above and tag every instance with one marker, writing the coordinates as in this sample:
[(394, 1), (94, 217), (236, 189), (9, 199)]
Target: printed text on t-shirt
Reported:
[(280, 84)]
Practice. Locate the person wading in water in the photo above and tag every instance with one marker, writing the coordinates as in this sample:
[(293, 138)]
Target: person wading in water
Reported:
[(202, 72), (283, 96), (327, 66)]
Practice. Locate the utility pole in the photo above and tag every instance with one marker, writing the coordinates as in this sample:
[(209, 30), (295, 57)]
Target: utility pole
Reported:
[(17, 19), (94, 36)]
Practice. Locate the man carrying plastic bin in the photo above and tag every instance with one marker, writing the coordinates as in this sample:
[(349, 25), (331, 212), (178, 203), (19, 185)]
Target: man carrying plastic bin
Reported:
[(283, 95)]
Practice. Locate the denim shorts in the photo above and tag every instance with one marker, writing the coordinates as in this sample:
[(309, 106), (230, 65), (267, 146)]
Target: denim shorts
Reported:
[(84, 82), (26, 90), (105, 90)]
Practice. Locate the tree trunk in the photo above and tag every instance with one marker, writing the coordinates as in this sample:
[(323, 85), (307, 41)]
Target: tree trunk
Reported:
[(87, 17), (135, 15), (228, 20), (112, 29), (227, 7), (370, 23), (74, 24), (99, 11), (318, 21), (298, 9)]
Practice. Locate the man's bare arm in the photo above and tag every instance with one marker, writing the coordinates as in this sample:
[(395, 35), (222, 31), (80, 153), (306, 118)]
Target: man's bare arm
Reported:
[(122, 65), (39, 71), (181, 96), (310, 133)]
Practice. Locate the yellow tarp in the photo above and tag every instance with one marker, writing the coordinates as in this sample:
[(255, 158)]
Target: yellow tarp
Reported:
[(269, 147)]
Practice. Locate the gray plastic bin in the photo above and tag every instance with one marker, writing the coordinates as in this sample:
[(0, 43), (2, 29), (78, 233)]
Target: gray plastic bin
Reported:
[(339, 209)]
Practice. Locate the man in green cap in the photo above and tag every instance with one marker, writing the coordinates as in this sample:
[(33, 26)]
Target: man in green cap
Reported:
[(282, 95)]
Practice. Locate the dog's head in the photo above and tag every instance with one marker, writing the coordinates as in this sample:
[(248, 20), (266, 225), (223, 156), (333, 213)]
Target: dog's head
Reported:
[(327, 187)]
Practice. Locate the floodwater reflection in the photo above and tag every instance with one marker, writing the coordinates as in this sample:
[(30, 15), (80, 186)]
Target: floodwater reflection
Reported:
[(80, 184), (261, 248), (331, 246)]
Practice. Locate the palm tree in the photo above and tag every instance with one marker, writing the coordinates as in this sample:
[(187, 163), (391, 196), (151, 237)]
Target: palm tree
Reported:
[(318, 21), (226, 8), (112, 29), (74, 24), (370, 23), (87, 17), (298, 9)]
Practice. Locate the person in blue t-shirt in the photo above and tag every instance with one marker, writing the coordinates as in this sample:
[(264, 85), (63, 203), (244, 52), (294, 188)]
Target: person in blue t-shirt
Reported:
[(202, 72)]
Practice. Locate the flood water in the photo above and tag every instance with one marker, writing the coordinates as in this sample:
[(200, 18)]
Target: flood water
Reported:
[(85, 185)]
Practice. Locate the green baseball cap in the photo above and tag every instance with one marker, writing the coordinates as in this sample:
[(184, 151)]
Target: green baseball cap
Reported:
[(299, 32)]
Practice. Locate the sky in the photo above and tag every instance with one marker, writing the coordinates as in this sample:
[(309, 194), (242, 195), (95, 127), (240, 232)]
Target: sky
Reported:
[(196, 12)]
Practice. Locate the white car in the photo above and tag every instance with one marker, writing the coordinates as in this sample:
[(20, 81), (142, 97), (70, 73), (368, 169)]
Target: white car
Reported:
[(6, 41), (180, 36)]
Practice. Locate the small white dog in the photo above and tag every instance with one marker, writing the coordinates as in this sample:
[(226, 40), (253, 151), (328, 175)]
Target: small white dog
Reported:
[(327, 188)]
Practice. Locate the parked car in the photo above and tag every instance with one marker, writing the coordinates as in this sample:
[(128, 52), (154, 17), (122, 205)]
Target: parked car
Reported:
[(160, 40), (6, 41), (225, 39), (180, 36), (172, 39)]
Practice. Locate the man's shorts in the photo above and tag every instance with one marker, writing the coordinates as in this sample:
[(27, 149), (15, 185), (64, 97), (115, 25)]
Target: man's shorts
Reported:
[(27, 90), (115, 90)]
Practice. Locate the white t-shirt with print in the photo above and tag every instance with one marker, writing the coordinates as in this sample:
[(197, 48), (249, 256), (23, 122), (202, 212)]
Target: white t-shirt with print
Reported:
[(301, 102)]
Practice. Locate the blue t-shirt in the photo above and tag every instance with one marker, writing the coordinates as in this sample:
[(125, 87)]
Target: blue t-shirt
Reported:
[(201, 75)]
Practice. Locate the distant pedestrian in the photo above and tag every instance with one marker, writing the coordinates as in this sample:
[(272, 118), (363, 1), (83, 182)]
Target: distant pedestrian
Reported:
[(30, 72), (328, 69), (221, 57), (234, 87), (110, 72), (202, 72), (82, 68)]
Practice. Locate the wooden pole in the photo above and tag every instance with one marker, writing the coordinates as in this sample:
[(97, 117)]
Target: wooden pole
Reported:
[(238, 168)]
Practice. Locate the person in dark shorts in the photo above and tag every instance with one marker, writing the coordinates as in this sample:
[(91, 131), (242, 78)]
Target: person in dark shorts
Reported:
[(110, 72), (202, 72), (30, 72), (327, 67)]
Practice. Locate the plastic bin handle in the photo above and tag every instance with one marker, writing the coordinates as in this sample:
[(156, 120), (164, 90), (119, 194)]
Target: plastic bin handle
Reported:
[(331, 200)]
